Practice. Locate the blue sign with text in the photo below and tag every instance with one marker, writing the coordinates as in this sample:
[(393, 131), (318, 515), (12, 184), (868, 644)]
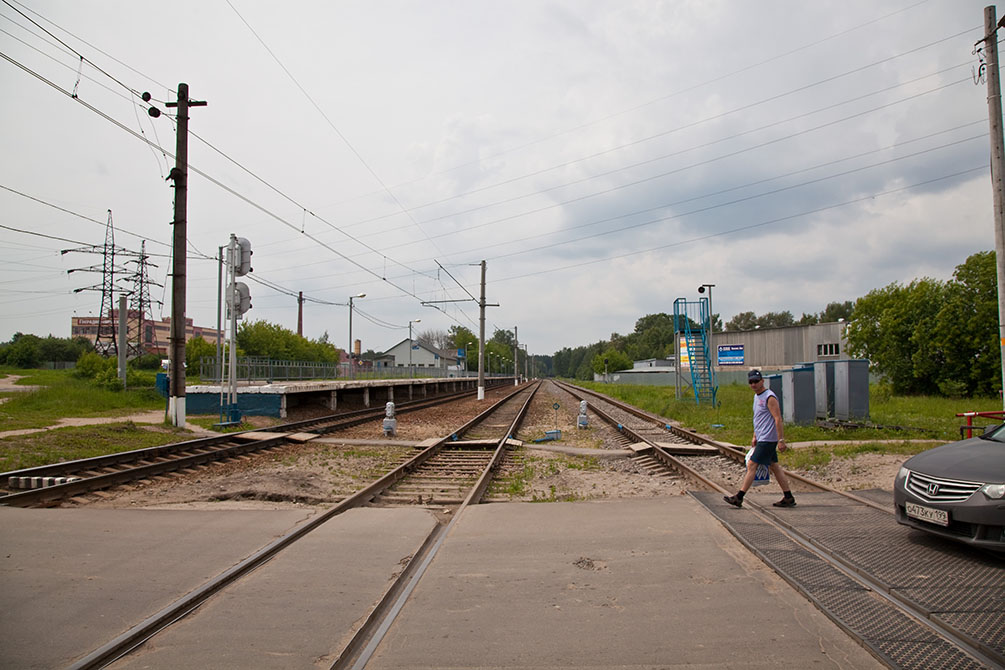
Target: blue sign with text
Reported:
[(730, 354)]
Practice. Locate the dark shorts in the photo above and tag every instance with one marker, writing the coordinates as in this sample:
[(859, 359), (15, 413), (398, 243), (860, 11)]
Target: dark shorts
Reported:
[(765, 453)]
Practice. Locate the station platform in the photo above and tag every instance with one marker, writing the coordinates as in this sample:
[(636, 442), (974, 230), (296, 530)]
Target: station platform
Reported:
[(631, 583), (277, 399)]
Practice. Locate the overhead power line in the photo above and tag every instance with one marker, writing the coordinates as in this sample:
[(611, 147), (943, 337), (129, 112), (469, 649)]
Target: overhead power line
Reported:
[(232, 191), (677, 170), (716, 117), (751, 226), (732, 73), (331, 124)]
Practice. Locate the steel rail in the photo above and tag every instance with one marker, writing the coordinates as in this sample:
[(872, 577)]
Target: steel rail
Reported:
[(341, 420), (974, 648), (360, 649), (363, 415), (130, 639), (977, 649), (97, 462), (727, 450), (48, 494)]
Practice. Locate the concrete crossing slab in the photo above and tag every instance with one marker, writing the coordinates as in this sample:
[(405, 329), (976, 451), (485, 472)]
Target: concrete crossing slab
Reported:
[(640, 583)]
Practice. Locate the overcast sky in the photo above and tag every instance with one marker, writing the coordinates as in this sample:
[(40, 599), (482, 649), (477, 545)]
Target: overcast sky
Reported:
[(604, 158)]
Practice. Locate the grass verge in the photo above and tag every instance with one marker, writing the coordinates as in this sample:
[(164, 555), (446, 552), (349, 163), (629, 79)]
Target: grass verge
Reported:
[(891, 417), (63, 395), (71, 443)]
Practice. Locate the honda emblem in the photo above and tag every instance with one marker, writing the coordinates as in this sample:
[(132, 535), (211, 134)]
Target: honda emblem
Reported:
[(933, 489)]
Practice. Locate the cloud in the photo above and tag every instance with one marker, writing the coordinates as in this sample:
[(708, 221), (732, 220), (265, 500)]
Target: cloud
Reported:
[(603, 158)]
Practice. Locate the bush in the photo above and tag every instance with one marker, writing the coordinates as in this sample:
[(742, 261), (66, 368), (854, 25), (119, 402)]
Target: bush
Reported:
[(146, 362), (108, 379), (90, 365), (24, 352)]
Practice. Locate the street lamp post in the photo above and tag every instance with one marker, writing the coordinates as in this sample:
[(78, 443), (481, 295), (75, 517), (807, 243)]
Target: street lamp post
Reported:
[(411, 372), (712, 319), (352, 369)]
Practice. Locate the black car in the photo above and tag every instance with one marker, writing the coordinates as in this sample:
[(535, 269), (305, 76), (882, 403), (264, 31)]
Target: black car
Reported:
[(957, 490)]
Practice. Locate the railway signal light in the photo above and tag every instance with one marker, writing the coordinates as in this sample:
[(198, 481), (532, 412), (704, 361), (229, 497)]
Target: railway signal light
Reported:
[(242, 257), (241, 299)]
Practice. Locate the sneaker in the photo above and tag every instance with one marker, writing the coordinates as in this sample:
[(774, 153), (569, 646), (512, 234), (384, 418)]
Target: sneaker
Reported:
[(785, 502), (733, 500)]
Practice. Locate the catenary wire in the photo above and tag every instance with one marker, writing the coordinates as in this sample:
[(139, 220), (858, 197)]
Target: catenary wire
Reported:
[(751, 226), (679, 152), (220, 184), (687, 126), (815, 42)]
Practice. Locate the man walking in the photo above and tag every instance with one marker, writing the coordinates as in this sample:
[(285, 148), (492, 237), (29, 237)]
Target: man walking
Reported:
[(767, 441)]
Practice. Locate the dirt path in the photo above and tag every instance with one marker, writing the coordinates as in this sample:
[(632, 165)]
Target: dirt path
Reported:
[(9, 384), (153, 417)]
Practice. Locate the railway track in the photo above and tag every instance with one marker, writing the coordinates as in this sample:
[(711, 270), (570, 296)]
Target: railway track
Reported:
[(435, 460), (84, 480), (680, 450), (870, 584), (897, 611)]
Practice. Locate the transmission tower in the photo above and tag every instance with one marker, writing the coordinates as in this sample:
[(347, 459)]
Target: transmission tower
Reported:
[(105, 338), (140, 303)]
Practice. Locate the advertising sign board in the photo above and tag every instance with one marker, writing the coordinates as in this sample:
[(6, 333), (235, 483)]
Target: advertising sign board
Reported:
[(731, 354)]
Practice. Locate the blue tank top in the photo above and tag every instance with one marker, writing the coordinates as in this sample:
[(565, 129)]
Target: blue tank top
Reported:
[(764, 423)]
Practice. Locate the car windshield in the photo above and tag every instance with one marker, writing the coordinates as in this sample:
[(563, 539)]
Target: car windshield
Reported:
[(996, 434)]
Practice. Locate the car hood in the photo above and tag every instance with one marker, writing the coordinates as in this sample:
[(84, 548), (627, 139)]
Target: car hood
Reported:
[(975, 460)]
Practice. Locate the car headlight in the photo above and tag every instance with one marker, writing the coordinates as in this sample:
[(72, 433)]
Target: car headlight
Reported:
[(903, 473), (994, 491)]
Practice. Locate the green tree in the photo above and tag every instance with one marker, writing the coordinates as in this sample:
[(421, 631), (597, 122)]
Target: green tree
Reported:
[(966, 333), (892, 328), (742, 321), (504, 337), (269, 340), (653, 338), (776, 319), (462, 338), (24, 351), (610, 360), (195, 349), (835, 311)]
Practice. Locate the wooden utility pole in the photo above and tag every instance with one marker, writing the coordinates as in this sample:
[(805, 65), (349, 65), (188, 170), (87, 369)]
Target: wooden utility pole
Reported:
[(179, 174), (990, 40)]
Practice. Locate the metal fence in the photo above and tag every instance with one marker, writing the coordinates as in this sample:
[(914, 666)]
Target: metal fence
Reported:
[(251, 369)]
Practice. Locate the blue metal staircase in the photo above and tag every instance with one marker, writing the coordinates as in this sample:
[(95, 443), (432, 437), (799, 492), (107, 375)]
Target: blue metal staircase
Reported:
[(692, 325)]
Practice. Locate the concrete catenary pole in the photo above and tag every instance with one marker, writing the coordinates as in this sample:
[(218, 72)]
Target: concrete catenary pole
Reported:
[(300, 313), (219, 320), (123, 342), (176, 399), (481, 339), (997, 156), (516, 358)]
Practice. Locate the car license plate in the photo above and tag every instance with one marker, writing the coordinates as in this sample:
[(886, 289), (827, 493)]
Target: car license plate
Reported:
[(929, 514)]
